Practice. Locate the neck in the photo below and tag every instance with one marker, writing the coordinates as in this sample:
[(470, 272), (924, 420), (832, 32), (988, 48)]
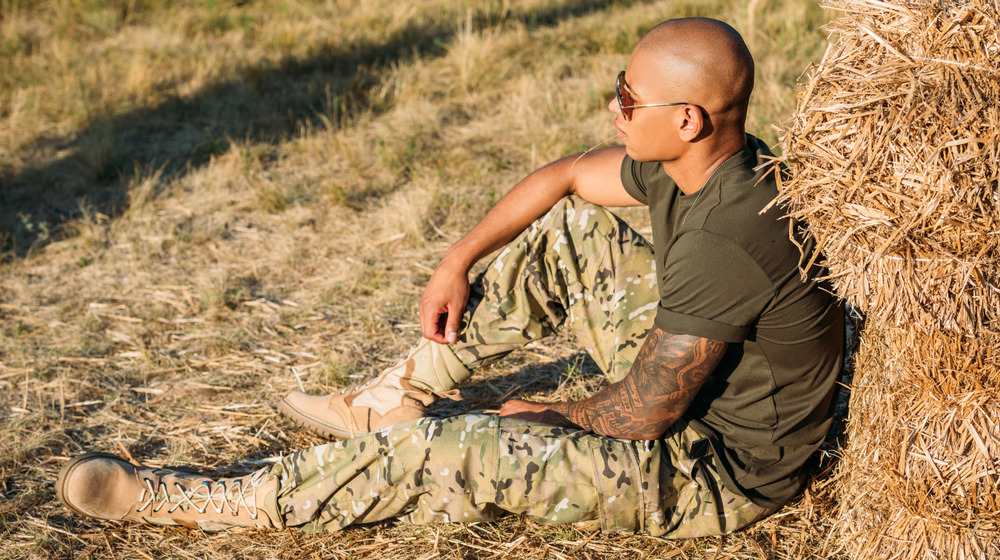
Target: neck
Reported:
[(692, 170)]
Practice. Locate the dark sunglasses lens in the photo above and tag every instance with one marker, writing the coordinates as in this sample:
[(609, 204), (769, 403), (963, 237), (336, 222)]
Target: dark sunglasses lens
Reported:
[(624, 100)]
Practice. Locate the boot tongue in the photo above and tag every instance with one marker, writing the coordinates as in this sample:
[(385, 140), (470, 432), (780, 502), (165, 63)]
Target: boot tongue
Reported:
[(161, 494), (223, 503), (171, 492)]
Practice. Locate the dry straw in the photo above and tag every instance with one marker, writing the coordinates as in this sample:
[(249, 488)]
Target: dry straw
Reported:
[(894, 159), (921, 467), (894, 152)]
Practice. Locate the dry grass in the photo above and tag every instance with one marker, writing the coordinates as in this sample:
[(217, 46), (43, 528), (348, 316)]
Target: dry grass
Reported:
[(206, 204)]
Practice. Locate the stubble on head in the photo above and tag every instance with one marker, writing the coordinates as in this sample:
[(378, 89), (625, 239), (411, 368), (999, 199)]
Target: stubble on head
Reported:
[(704, 62)]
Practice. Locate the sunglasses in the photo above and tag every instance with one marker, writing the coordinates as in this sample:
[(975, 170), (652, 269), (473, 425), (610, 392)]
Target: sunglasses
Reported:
[(627, 104)]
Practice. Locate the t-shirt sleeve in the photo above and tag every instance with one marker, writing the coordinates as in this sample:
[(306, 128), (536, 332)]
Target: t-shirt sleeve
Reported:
[(711, 288), (633, 179)]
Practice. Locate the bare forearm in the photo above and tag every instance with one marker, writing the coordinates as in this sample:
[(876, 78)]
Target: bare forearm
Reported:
[(612, 412), (665, 377)]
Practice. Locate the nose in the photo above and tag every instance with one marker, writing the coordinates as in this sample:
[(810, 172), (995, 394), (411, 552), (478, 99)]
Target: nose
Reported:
[(613, 106)]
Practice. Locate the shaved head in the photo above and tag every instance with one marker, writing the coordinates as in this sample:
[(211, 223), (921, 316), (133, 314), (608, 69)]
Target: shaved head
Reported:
[(700, 61)]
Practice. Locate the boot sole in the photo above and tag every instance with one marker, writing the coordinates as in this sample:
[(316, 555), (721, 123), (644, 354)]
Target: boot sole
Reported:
[(313, 424), (67, 469)]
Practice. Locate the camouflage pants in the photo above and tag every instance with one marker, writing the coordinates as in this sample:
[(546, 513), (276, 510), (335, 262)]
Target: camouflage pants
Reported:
[(578, 267)]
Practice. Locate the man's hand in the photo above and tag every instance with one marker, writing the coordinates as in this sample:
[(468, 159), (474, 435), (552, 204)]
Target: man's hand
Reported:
[(666, 375), (538, 412), (517, 408), (443, 303)]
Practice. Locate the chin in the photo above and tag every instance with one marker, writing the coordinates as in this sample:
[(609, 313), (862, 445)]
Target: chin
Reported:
[(638, 156)]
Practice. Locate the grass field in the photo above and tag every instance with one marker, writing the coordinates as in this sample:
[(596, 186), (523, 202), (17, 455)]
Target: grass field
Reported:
[(206, 204)]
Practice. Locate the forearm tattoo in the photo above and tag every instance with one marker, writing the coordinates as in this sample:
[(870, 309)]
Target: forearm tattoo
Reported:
[(666, 375)]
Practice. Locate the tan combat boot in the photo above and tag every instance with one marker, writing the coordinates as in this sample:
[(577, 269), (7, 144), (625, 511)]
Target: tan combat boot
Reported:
[(399, 394), (108, 487)]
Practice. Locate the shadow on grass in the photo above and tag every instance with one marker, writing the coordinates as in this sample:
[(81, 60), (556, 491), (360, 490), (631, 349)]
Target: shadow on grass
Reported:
[(94, 168), (534, 378)]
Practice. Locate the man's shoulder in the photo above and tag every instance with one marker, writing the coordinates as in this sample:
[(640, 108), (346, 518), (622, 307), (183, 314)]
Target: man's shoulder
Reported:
[(647, 176)]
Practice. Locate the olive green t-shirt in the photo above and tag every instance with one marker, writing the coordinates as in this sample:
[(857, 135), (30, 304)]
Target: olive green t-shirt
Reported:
[(728, 271)]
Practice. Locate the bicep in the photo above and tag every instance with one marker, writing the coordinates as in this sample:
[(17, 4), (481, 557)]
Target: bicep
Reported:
[(597, 177)]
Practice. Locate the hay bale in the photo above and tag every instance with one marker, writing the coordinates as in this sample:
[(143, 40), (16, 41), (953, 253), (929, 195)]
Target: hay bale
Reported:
[(921, 468), (894, 154), (894, 160)]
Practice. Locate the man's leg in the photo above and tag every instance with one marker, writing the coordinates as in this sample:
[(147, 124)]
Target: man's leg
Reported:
[(578, 266), (475, 468), (465, 468)]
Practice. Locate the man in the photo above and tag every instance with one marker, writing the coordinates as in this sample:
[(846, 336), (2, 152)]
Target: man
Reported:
[(723, 361)]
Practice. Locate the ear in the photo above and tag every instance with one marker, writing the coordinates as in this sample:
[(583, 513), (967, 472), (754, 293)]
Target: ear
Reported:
[(693, 123)]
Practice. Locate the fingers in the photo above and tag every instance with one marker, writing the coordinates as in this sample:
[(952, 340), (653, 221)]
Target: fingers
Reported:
[(430, 326), (514, 407), (506, 409), (441, 323), (442, 306), (452, 324)]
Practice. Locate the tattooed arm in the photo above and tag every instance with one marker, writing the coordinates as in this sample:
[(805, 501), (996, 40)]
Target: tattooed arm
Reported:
[(666, 375)]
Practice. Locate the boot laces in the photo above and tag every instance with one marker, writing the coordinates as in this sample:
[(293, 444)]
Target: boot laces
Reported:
[(359, 386), (209, 493)]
